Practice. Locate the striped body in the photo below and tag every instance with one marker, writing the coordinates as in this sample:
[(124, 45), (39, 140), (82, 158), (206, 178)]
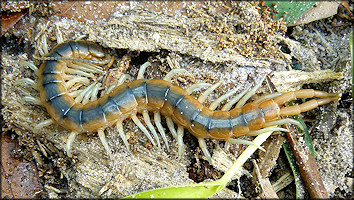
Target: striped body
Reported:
[(138, 96), (153, 95)]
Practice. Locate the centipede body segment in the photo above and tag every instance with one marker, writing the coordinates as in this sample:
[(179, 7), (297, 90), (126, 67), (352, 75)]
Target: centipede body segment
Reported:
[(155, 96)]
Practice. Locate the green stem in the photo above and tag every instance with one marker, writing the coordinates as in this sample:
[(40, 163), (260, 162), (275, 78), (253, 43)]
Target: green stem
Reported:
[(243, 158)]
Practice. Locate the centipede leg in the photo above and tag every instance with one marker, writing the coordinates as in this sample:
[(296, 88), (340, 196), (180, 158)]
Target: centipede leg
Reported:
[(59, 35), (80, 37), (89, 93), (205, 150), (246, 142), (75, 93), (234, 100), (28, 81), (268, 96), (306, 93), (84, 93), (171, 126), (77, 72), (44, 45), (151, 127), (180, 133), (195, 86), (142, 128), (72, 82), (284, 121), (173, 72), (119, 126), (87, 67), (263, 130), (31, 100), (42, 124), (69, 142), (102, 137), (309, 105), (157, 119), (217, 101), (121, 80), (94, 92), (30, 65), (207, 92), (142, 70), (249, 94)]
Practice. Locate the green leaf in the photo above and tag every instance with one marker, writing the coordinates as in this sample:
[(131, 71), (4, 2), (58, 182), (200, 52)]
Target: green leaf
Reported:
[(305, 134), (203, 190), (289, 10), (300, 192)]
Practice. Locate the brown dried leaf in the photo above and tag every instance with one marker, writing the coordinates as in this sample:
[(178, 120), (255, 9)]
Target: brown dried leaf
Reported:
[(321, 10), (8, 21), (19, 178)]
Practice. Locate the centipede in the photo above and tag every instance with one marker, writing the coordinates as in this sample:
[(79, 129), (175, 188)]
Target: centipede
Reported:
[(80, 111)]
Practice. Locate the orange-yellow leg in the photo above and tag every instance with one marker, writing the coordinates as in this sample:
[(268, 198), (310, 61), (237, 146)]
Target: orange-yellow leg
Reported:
[(305, 93)]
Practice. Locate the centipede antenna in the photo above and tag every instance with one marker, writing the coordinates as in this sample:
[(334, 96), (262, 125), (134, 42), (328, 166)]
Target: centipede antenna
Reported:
[(180, 133), (79, 98), (151, 127), (263, 130), (268, 96), (216, 103), (102, 137), (207, 92), (72, 82), (142, 128), (173, 72), (142, 70), (284, 121), (205, 150), (157, 119), (234, 100), (70, 141), (195, 86), (28, 81), (246, 142), (97, 62), (31, 100), (171, 126), (30, 65), (249, 94), (122, 134), (42, 124)]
